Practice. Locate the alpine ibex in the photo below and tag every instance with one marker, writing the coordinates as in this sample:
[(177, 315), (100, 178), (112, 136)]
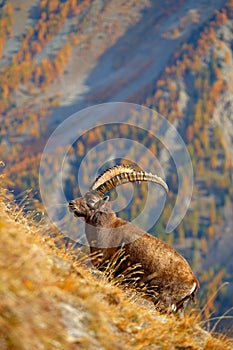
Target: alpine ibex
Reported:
[(163, 271)]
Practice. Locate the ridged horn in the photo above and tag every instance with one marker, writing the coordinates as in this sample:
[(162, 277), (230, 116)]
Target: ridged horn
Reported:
[(110, 173), (120, 177)]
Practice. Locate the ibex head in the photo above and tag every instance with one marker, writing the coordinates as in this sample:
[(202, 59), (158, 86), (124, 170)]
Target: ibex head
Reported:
[(95, 200), (88, 205)]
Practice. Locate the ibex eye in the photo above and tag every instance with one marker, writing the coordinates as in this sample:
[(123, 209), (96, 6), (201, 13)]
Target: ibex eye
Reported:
[(91, 202)]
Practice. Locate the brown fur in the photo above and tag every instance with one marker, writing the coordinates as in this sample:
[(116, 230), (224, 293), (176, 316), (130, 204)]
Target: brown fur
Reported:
[(165, 273)]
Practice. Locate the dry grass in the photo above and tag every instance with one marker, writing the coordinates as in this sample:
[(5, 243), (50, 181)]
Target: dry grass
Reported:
[(49, 300)]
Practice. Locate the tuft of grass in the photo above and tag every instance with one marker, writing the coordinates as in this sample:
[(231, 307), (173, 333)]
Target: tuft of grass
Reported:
[(51, 299)]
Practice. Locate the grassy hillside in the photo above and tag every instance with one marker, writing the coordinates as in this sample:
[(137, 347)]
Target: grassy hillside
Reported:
[(58, 57), (49, 300)]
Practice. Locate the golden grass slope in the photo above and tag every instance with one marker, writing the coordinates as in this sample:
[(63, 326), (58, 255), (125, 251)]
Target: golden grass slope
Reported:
[(48, 300)]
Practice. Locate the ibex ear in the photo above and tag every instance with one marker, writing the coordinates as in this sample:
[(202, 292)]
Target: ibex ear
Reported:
[(100, 207), (101, 204)]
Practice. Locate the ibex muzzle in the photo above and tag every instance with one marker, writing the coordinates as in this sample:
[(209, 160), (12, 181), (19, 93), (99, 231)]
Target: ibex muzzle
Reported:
[(165, 273)]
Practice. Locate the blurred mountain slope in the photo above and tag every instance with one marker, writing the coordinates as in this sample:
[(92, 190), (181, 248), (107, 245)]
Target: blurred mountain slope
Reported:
[(58, 57)]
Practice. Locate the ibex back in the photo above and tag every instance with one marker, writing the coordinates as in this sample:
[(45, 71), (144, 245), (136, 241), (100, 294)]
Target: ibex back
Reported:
[(165, 273)]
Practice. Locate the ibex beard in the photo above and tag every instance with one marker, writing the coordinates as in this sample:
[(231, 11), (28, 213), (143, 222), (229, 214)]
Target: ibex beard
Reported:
[(167, 276)]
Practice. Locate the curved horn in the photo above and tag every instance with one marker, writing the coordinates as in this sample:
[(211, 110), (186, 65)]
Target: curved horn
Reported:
[(110, 173), (121, 175)]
